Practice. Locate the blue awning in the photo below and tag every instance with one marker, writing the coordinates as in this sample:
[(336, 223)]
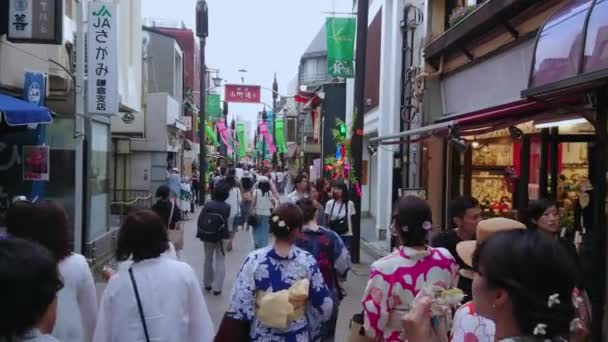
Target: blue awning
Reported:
[(17, 112)]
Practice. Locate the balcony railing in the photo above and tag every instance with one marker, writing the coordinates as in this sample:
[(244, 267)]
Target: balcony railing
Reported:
[(309, 79)]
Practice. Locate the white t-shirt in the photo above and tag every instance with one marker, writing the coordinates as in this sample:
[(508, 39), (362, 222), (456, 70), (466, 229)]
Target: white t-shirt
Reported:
[(77, 301), (263, 203), (295, 196), (234, 200), (339, 211), (280, 176), (173, 303)]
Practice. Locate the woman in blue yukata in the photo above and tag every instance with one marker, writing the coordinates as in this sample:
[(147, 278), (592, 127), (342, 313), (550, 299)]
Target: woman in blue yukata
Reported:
[(280, 294), (332, 256)]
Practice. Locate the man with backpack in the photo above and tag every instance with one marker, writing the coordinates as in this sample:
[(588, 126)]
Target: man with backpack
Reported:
[(214, 233)]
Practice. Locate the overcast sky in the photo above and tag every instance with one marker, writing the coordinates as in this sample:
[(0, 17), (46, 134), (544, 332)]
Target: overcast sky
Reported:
[(262, 36)]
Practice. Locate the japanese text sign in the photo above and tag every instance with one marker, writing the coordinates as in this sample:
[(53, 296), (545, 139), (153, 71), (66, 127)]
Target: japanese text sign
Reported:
[(242, 93), (102, 41), (340, 46), (35, 21)]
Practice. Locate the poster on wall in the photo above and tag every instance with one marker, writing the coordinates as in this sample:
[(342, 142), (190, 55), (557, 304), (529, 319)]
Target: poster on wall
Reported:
[(36, 163)]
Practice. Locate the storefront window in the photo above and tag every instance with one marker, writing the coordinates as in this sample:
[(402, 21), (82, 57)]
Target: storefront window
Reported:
[(98, 180)]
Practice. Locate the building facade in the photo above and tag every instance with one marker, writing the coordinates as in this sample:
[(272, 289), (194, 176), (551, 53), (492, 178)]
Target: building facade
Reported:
[(92, 226)]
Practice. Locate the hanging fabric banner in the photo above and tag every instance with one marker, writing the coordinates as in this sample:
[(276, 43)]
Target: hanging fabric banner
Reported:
[(340, 46), (241, 136), (269, 141), (224, 134), (212, 107), (279, 136), (210, 132)]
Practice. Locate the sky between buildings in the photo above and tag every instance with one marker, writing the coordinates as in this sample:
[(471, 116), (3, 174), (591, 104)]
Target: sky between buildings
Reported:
[(261, 36)]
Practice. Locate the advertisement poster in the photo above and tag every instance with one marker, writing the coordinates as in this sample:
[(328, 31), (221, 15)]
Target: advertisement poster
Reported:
[(36, 163)]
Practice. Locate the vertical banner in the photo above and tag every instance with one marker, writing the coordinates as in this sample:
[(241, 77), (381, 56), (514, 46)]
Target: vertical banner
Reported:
[(270, 148), (102, 52), (340, 46), (210, 133), (279, 136), (212, 107), (241, 136)]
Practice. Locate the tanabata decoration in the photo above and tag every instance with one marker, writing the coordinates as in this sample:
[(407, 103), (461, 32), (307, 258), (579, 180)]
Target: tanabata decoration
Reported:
[(340, 167), (242, 139), (266, 134), (279, 135), (224, 134), (211, 136)]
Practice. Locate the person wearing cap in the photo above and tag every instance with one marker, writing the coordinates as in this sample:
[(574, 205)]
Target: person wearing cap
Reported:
[(466, 321), (465, 214)]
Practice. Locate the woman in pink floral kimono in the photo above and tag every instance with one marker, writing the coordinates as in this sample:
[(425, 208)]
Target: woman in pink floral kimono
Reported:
[(396, 279)]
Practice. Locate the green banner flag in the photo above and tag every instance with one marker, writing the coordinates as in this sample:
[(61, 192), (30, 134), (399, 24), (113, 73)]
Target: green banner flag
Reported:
[(279, 136), (212, 106), (340, 46), (210, 132), (241, 136)]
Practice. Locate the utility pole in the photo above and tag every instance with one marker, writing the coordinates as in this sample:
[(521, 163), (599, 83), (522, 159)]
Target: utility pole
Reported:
[(79, 130), (359, 106), (275, 92), (202, 32)]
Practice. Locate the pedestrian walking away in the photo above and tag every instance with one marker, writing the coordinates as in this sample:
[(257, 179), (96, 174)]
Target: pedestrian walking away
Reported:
[(77, 299), (156, 298), (263, 203), (279, 294), (331, 255), (212, 230), (29, 283)]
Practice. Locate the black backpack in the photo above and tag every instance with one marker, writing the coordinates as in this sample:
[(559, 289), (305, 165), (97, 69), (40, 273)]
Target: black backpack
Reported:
[(211, 227)]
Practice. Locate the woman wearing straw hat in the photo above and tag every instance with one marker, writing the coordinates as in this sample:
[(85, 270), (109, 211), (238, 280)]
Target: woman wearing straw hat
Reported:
[(523, 282)]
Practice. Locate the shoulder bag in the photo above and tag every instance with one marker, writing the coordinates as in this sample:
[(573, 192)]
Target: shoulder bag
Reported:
[(175, 231), (139, 306), (340, 224)]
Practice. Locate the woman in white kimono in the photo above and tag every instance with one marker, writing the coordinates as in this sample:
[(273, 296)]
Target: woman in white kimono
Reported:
[(157, 298)]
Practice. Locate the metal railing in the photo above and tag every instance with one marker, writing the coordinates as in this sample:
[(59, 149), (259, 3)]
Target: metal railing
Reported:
[(126, 200)]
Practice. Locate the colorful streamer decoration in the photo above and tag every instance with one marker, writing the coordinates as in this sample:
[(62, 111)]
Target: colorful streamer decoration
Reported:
[(269, 141), (224, 134), (279, 136), (241, 137), (210, 133)]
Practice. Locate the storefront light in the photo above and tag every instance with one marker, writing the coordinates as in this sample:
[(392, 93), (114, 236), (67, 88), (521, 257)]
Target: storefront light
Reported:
[(561, 123)]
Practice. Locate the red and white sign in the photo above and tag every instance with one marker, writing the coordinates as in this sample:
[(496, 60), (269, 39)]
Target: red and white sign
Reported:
[(242, 93)]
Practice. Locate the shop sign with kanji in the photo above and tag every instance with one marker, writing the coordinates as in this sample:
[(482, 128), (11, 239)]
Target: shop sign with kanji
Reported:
[(102, 48), (242, 93), (35, 21)]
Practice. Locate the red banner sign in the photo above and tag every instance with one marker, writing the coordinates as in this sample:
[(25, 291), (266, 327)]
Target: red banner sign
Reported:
[(242, 93)]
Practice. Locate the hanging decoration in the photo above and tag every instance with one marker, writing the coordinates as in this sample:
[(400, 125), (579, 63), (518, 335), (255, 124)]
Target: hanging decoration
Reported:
[(269, 141), (241, 137), (224, 134), (339, 167), (210, 134), (279, 136)]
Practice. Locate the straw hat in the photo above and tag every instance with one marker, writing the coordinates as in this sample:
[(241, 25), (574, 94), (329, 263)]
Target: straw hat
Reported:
[(485, 230)]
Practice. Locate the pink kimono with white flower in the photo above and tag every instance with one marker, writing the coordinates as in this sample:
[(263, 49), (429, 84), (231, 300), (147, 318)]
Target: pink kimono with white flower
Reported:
[(394, 282)]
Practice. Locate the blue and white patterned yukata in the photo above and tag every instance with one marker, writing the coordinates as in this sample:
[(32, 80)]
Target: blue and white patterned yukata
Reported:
[(265, 270)]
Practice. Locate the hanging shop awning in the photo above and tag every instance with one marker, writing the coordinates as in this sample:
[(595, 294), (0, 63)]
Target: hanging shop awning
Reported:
[(570, 51), (489, 119), (17, 112), (430, 129)]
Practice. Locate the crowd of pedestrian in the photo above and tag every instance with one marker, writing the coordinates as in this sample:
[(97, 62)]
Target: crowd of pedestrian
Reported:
[(519, 280)]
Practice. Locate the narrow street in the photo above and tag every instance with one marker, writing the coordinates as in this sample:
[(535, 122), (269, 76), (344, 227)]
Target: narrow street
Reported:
[(243, 245)]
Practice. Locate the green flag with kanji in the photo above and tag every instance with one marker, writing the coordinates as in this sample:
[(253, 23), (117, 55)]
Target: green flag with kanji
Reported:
[(340, 46)]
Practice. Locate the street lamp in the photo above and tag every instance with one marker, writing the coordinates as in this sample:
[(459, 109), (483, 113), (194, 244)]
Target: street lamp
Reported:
[(217, 81)]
